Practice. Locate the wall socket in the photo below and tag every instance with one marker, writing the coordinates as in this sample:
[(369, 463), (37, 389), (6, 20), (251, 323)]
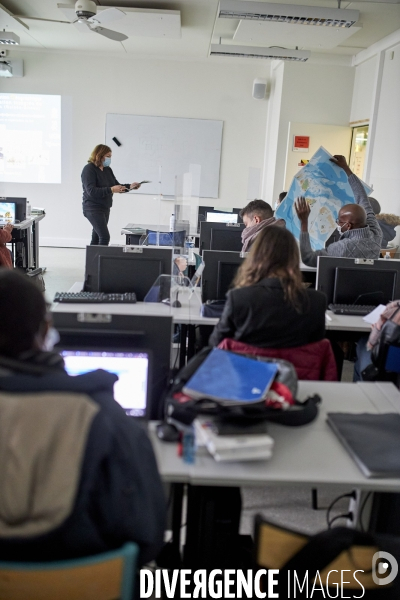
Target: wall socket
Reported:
[(3, 53)]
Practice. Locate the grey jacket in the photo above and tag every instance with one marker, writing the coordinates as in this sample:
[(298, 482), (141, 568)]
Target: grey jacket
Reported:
[(364, 242)]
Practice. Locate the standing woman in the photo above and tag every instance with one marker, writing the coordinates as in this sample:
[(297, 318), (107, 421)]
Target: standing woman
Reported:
[(99, 185)]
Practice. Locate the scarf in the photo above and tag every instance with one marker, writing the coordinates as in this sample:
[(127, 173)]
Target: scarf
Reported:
[(32, 362), (249, 234)]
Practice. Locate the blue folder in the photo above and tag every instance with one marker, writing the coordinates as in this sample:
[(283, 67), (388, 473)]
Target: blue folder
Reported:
[(231, 378)]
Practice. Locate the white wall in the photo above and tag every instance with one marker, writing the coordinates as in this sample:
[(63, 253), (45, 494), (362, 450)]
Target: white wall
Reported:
[(377, 88), (92, 86), (361, 106), (317, 92)]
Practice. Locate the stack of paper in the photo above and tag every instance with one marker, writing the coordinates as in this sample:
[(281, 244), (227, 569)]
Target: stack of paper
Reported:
[(232, 447)]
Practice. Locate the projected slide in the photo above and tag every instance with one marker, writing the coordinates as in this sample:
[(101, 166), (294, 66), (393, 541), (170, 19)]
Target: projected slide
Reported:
[(30, 138)]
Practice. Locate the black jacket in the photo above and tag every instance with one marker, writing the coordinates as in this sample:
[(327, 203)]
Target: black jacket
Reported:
[(259, 315), (97, 186), (120, 495)]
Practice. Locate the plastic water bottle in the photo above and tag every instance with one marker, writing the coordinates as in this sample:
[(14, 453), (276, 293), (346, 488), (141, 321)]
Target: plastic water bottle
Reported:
[(172, 222), (189, 446), (387, 255)]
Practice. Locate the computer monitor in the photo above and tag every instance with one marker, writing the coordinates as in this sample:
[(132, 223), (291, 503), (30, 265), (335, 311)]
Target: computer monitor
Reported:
[(7, 213), (131, 391), (326, 273), (212, 212), (219, 271), (360, 286), (20, 207), (110, 269), (127, 333), (221, 236), (221, 217)]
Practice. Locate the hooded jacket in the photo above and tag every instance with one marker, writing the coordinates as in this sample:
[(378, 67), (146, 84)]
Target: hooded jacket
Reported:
[(78, 476)]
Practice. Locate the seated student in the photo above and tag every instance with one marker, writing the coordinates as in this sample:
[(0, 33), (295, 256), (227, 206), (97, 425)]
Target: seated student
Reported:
[(257, 215), (387, 222), (281, 197), (5, 238), (360, 233), (268, 306), (366, 343), (78, 476)]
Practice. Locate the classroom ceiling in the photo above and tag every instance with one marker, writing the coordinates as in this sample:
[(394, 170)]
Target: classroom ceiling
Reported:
[(187, 33)]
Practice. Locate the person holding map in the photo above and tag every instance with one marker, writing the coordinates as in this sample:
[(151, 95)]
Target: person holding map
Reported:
[(257, 215), (360, 234)]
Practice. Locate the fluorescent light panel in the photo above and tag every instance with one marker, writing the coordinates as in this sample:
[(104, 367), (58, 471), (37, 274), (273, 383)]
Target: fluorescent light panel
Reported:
[(9, 38), (288, 13), (255, 52)]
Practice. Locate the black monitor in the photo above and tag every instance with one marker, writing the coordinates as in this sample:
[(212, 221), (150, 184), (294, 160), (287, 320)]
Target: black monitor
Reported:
[(203, 210), (360, 286), (133, 333), (221, 236), (110, 269), (326, 274), (20, 207), (219, 271)]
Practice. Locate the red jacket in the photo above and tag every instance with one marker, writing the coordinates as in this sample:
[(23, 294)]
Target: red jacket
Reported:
[(313, 362), (5, 255)]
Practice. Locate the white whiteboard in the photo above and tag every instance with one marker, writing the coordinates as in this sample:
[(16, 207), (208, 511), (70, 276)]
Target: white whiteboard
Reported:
[(174, 144)]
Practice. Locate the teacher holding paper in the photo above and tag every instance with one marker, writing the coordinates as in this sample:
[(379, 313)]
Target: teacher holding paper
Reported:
[(99, 185)]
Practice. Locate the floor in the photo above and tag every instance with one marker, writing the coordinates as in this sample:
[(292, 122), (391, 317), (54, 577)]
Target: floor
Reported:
[(287, 505)]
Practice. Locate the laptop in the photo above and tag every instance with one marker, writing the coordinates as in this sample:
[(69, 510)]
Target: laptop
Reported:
[(7, 213), (131, 391)]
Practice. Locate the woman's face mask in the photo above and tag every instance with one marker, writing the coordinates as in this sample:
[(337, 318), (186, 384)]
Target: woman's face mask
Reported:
[(107, 161)]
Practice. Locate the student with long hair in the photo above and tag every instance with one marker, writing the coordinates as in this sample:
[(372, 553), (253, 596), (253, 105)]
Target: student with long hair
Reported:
[(268, 306)]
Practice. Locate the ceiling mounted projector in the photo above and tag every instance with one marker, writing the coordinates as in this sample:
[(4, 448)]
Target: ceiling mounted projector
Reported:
[(5, 69), (288, 13), (255, 52), (9, 38)]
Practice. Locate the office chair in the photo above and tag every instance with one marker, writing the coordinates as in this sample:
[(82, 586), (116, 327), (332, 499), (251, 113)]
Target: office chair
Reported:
[(329, 552), (106, 576)]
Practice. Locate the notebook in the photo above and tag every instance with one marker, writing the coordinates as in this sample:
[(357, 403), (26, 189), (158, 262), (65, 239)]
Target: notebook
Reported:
[(132, 368), (231, 378), (372, 440)]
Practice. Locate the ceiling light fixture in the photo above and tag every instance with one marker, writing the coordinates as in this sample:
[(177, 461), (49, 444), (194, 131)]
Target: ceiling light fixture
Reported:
[(288, 13), (9, 38), (255, 52)]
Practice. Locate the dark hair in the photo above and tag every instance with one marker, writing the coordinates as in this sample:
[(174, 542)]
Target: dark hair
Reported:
[(274, 254), (376, 207), (282, 196), (23, 313), (257, 208), (98, 153)]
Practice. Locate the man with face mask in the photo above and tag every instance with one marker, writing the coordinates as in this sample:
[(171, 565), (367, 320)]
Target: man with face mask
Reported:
[(78, 476), (360, 234)]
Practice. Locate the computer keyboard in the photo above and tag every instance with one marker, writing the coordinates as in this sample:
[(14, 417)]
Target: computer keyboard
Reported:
[(95, 297), (351, 309)]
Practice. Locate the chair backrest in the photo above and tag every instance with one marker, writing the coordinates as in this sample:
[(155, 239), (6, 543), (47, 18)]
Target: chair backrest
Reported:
[(107, 576), (327, 553), (313, 362)]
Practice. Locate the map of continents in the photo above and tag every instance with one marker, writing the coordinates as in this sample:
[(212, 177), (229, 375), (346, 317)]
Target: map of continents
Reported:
[(326, 189)]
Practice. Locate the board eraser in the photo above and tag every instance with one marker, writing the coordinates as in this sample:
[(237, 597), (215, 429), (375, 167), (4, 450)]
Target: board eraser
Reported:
[(117, 141)]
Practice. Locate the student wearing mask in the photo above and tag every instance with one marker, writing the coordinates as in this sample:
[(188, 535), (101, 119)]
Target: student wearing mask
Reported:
[(257, 215), (268, 306), (387, 222), (360, 234), (78, 476), (99, 184)]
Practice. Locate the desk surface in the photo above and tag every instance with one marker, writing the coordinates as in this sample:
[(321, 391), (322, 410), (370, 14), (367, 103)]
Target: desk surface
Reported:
[(310, 455), (189, 313)]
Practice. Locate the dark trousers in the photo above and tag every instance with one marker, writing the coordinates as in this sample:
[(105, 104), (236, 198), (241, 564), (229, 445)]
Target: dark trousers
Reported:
[(98, 218)]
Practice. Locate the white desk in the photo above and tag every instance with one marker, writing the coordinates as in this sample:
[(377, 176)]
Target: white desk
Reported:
[(310, 455)]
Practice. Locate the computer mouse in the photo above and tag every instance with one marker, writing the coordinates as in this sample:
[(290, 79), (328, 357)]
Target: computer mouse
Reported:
[(167, 432)]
